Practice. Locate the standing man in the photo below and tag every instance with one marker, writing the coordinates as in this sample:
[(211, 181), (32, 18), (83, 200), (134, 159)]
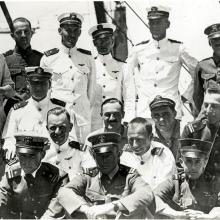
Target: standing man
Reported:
[(167, 127), (112, 191), (30, 115), (19, 58), (74, 76), (111, 81), (158, 62), (69, 155), (153, 161), (207, 73), (6, 89), (30, 191), (207, 128)]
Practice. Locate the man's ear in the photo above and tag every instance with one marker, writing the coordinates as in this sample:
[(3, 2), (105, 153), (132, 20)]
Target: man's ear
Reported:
[(12, 35), (210, 43), (47, 127), (181, 161), (43, 153), (59, 30), (168, 23), (71, 126), (123, 114)]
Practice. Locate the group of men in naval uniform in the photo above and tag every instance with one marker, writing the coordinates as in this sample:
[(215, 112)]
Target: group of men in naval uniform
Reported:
[(122, 171)]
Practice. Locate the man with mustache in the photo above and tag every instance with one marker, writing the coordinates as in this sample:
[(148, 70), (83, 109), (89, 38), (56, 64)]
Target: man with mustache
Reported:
[(22, 56), (207, 128), (167, 127), (74, 74), (207, 74), (153, 161), (68, 155)]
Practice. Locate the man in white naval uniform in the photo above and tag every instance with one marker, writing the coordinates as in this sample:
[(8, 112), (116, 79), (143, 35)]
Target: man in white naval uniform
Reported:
[(154, 161), (158, 62), (74, 76), (111, 81), (68, 155), (30, 115)]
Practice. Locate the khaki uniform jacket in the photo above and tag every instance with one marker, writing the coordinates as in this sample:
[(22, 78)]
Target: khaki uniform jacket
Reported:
[(126, 186), (24, 198)]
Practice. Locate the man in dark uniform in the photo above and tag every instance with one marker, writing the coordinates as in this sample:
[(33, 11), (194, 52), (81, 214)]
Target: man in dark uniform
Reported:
[(19, 58), (207, 128), (167, 127), (199, 191), (29, 189), (111, 190), (207, 74)]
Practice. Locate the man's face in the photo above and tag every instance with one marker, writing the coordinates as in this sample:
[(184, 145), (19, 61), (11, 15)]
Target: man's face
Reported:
[(39, 89), (193, 167), (59, 127), (158, 27), (138, 139), (215, 44), (112, 116), (104, 44), (107, 161), (22, 34), (30, 162), (212, 108), (70, 34), (164, 118)]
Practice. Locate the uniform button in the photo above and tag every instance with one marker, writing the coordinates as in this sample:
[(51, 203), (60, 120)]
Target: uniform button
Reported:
[(25, 199), (158, 47), (31, 185), (103, 74), (72, 79), (43, 173), (74, 103), (103, 86), (154, 177), (155, 85), (73, 91), (69, 56), (104, 64), (70, 167), (71, 67), (158, 58), (32, 199), (35, 211), (116, 77), (50, 175), (156, 72), (103, 97), (39, 109)]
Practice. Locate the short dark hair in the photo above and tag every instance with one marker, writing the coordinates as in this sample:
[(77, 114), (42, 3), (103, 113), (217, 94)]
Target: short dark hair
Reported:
[(58, 111), (112, 100), (142, 121), (21, 19)]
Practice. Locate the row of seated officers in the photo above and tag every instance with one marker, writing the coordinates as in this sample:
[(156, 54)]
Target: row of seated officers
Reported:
[(145, 182)]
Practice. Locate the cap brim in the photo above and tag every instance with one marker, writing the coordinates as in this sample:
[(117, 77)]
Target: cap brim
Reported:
[(214, 35), (104, 148), (27, 150)]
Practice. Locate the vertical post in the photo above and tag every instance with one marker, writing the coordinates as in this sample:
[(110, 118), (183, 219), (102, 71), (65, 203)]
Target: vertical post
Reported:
[(100, 12), (7, 15)]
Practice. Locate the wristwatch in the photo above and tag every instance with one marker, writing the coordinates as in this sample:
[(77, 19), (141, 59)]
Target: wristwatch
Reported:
[(116, 206)]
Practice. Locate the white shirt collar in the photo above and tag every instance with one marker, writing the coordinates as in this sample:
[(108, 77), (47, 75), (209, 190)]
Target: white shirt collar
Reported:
[(33, 174), (41, 104), (67, 50), (159, 43), (146, 155), (105, 58), (62, 148)]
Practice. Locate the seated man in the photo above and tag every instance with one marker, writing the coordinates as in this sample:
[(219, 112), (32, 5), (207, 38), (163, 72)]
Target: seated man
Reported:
[(199, 191), (112, 189), (68, 155), (167, 127), (154, 162), (29, 189)]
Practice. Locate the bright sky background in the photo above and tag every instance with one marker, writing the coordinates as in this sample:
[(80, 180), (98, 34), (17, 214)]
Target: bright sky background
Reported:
[(188, 20)]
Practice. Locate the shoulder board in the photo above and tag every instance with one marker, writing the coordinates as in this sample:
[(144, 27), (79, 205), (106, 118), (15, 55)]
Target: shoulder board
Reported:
[(37, 52), (7, 53), (143, 42), (58, 102), (175, 41), (93, 171), (77, 145), (196, 125), (126, 169), (20, 105), (84, 51), (206, 59), (119, 60), (13, 170), (157, 151), (51, 52)]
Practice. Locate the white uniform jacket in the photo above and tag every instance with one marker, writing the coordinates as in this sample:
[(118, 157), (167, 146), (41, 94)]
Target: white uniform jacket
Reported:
[(155, 166), (73, 80), (111, 82), (157, 66)]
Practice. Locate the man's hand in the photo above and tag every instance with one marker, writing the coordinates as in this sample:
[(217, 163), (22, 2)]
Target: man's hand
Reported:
[(96, 211), (10, 152), (195, 214)]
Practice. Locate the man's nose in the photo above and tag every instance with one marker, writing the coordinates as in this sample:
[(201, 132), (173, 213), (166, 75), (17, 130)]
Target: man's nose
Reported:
[(111, 117), (23, 34), (57, 131)]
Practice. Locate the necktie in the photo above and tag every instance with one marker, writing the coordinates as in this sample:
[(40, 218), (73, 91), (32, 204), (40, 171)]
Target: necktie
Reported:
[(29, 178), (106, 182)]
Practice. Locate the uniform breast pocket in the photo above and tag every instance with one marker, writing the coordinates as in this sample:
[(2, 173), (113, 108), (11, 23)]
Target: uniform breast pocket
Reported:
[(170, 60), (83, 69), (94, 196)]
